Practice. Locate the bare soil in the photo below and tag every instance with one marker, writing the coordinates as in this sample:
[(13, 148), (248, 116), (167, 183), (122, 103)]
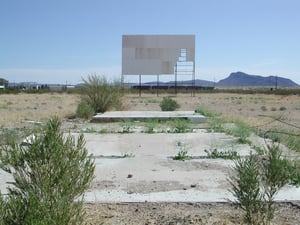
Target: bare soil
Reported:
[(175, 213), (258, 110)]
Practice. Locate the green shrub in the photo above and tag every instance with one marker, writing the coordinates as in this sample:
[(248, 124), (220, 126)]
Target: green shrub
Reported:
[(180, 125), (84, 110), (263, 108), (168, 104), (246, 188), (257, 182), (294, 169), (102, 95), (275, 174), (51, 175)]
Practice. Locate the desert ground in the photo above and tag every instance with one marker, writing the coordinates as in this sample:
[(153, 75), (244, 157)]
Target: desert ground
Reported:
[(260, 111), (255, 109)]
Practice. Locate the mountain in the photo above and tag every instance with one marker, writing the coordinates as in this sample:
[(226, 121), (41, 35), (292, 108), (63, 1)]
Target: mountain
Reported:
[(198, 82), (240, 79)]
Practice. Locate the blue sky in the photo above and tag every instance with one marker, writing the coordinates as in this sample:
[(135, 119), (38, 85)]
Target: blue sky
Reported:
[(63, 41)]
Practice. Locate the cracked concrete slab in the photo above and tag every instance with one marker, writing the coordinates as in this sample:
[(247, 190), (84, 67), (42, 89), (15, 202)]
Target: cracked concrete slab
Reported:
[(138, 167)]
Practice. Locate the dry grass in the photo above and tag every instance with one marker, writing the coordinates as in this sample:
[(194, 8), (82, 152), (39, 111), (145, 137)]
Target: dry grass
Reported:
[(245, 107), (257, 110), (15, 109)]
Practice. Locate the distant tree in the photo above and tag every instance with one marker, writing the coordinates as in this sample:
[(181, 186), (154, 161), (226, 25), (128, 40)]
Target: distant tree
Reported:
[(3, 82)]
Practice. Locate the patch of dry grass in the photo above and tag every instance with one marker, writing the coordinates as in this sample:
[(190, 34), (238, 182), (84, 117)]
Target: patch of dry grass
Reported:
[(37, 107)]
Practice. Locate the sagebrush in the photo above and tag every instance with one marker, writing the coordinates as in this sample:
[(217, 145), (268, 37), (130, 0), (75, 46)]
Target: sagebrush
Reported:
[(50, 175), (101, 94)]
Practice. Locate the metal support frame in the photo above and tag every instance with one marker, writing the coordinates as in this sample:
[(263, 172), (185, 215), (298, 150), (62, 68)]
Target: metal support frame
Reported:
[(157, 85), (140, 85)]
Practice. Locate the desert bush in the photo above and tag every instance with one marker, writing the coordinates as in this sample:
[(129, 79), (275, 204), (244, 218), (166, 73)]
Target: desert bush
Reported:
[(257, 182), (263, 108), (275, 174), (282, 108), (50, 177), (100, 94), (84, 110), (246, 188), (169, 104)]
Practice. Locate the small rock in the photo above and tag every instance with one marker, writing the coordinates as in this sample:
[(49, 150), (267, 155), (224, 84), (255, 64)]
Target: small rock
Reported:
[(129, 176), (193, 185)]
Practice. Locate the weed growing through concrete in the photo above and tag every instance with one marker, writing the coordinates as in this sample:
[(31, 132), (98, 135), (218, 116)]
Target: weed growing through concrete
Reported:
[(182, 153), (127, 155), (215, 154), (150, 125), (126, 127), (180, 125)]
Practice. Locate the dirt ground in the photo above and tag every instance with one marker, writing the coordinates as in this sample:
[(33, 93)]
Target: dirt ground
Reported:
[(180, 214), (258, 110), (255, 109)]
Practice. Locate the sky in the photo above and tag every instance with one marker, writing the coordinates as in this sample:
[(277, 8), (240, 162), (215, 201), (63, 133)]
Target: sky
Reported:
[(64, 41)]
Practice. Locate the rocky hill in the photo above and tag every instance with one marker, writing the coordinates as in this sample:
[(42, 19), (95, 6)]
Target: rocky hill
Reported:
[(240, 79)]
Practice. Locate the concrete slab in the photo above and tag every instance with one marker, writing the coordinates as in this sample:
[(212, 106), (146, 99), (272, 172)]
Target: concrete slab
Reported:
[(150, 174), (142, 115)]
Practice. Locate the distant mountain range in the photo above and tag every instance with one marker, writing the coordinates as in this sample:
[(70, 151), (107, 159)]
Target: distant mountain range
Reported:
[(198, 82), (240, 79), (236, 79)]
